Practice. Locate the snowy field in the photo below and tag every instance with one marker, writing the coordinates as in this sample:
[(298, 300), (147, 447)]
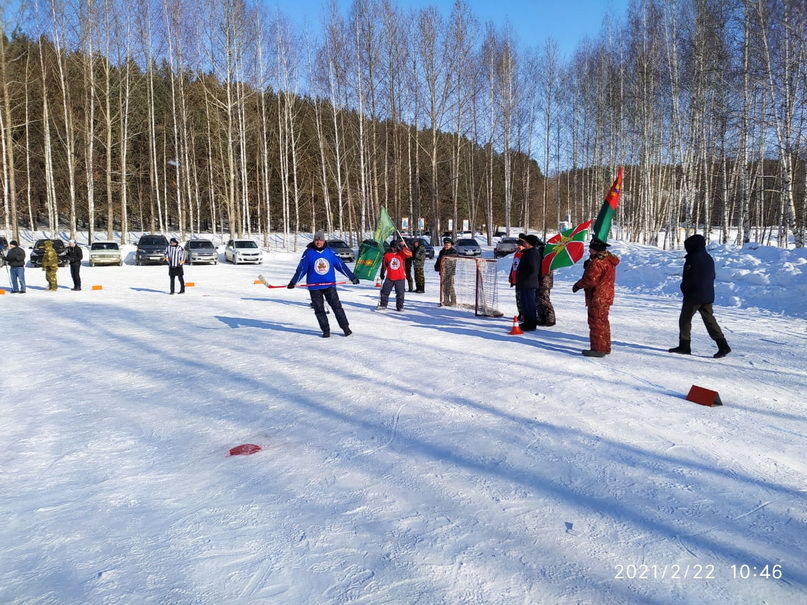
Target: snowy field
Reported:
[(428, 458)]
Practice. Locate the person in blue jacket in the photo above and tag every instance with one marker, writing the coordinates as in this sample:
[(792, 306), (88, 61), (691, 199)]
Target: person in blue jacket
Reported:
[(698, 287), (319, 265)]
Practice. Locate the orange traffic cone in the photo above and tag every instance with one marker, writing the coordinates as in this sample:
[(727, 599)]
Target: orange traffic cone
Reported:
[(516, 329), (377, 282)]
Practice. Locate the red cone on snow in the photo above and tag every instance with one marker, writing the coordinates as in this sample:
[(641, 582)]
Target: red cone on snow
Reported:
[(245, 449), (516, 329), (377, 282)]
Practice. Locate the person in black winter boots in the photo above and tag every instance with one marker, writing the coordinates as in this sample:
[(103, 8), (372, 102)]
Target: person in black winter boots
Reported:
[(15, 257), (175, 257), (698, 287), (527, 276), (74, 256)]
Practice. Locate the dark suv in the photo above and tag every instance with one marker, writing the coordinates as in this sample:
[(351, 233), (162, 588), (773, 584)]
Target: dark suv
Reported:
[(151, 250), (39, 251)]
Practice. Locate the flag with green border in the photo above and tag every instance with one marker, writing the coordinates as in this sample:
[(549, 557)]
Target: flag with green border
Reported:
[(603, 223)]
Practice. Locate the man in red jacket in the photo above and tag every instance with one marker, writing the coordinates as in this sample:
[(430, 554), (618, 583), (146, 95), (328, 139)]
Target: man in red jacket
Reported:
[(598, 280), (394, 267)]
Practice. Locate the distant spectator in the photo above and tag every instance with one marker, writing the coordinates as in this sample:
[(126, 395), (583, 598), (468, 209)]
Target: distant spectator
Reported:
[(514, 268), (15, 257), (544, 311), (74, 256), (448, 296), (529, 267), (393, 266), (698, 287), (50, 264), (419, 263)]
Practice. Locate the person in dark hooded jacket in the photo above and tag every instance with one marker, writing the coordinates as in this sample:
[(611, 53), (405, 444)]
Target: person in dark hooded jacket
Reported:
[(698, 287), (527, 278)]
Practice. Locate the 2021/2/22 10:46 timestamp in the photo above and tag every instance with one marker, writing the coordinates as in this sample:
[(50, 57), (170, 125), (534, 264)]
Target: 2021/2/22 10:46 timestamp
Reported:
[(745, 572)]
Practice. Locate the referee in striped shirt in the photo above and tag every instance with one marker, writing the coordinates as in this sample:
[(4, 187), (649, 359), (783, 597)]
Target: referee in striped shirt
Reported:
[(175, 257)]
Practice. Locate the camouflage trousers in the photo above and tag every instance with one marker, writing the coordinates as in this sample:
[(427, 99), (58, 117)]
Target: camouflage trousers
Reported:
[(599, 328), (50, 275), (545, 312), (420, 279)]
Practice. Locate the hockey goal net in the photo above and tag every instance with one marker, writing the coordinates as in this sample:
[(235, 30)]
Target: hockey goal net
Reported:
[(469, 283)]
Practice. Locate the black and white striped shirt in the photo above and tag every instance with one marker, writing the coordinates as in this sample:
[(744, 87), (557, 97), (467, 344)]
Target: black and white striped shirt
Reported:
[(175, 255)]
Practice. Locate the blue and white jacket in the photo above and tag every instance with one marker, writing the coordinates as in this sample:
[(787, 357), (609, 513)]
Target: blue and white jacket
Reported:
[(318, 268)]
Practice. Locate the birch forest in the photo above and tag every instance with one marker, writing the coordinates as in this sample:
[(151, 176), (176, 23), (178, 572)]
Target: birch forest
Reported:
[(221, 117)]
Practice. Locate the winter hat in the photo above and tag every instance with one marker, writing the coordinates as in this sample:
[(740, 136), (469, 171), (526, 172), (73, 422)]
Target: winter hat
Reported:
[(448, 240), (598, 245), (532, 240), (14, 242), (174, 240), (319, 235)]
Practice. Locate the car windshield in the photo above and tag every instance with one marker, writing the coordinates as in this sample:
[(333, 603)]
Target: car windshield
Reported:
[(200, 243), (245, 244), (153, 240), (467, 242), (337, 243), (104, 246), (509, 240), (57, 244)]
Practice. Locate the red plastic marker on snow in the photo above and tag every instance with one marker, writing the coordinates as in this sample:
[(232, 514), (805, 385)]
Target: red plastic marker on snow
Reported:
[(245, 449)]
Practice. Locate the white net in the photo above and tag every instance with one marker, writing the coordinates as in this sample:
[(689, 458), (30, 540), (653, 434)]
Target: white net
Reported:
[(469, 283)]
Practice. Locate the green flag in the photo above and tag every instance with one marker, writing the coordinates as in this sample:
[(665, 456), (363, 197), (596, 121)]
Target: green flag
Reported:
[(603, 223), (370, 254), (385, 227)]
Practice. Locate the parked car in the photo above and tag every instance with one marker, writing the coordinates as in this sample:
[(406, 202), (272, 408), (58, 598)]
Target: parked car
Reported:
[(201, 251), (341, 249), (410, 241), (151, 249), (243, 251), (468, 247), (506, 245), (105, 253), (39, 249), (375, 243)]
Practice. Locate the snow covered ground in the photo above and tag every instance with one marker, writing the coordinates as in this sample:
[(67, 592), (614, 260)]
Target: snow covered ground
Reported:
[(429, 458)]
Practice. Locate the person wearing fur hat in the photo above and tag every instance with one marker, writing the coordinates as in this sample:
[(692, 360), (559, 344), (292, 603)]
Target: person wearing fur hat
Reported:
[(698, 287), (394, 267), (319, 265), (599, 275), (529, 268)]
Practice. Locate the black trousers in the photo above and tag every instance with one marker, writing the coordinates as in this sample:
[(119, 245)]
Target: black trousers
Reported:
[(528, 310), (174, 272), (387, 287), (318, 298), (74, 269), (688, 311)]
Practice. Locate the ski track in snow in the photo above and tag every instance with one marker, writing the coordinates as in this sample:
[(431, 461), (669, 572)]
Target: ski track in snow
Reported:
[(428, 458)]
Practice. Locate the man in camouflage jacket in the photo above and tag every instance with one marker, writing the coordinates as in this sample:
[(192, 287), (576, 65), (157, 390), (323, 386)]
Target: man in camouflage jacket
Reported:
[(598, 280), (419, 262), (50, 263)]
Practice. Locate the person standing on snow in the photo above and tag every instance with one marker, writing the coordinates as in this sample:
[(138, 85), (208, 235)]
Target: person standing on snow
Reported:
[(698, 287), (394, 267), (544, 311), (318, 265), (74, 256), (15, 257), (448, 296), (529, 268), (50, 264), (513, 270), (598, 279), (175, 257), (419, 263)]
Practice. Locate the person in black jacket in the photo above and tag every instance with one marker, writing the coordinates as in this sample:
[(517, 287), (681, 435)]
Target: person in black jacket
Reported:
[(698, 287), (527, 276), (15, 257), (448, 296), (74, 256)]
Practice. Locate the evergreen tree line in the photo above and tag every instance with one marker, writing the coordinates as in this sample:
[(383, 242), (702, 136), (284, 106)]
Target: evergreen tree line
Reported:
[(220, 116)]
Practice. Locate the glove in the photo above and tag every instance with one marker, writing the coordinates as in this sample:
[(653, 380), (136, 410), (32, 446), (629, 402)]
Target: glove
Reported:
[(575, 288), (291, 285), (355, 281)]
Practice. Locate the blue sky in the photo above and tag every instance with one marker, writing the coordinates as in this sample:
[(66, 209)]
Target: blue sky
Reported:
[(532, 21)]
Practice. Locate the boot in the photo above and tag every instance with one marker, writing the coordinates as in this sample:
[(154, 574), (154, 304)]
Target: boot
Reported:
[(682, 348), (723, 348), (591, 353)]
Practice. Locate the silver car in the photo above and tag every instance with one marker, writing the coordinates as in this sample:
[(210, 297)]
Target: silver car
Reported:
[(341, 249), (468, 247), (506, 245), (243, 251), (201, 251), (105, 253)]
